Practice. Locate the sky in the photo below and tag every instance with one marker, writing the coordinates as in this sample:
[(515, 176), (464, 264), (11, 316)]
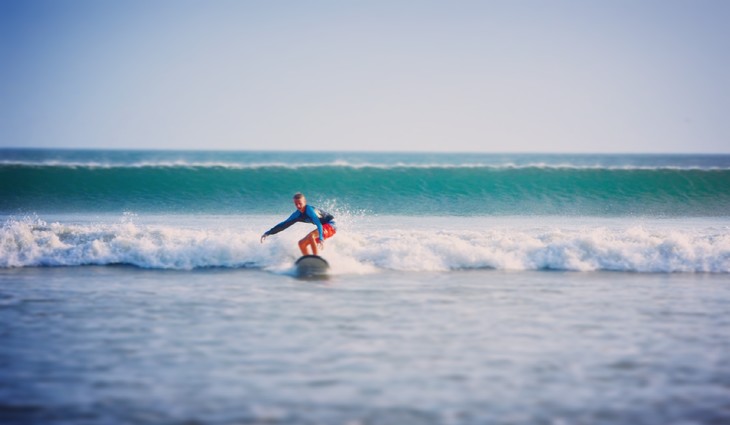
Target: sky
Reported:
[(623, 76)]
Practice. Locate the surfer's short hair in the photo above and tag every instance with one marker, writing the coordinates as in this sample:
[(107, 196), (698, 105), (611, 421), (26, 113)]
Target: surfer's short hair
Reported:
[(298, 195)]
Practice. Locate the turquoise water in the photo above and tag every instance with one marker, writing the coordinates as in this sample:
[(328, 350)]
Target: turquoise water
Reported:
[(385, 184), (464, 289), (423, 212)]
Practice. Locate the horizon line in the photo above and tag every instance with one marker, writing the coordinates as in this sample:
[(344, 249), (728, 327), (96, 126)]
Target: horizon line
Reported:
[(355, 151)]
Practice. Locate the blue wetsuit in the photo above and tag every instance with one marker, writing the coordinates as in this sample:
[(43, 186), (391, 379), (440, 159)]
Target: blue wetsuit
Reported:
[(310, 215)]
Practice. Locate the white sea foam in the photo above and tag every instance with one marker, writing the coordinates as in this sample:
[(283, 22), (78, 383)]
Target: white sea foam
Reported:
[(361, 248)]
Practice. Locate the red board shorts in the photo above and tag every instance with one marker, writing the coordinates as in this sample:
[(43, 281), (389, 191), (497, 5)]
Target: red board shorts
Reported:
[(329, 230)]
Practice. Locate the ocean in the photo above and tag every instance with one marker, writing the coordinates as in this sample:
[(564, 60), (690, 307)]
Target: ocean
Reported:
[(464, 289)]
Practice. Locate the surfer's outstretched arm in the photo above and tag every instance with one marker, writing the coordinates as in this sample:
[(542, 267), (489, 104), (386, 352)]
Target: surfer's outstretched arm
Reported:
[(281, 226)]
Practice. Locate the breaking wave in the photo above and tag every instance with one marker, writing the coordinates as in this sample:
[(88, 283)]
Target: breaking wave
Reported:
[(31, 242)]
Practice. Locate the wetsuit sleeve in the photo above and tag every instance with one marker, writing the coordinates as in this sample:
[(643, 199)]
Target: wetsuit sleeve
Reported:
[(284, 224), (315, 219)]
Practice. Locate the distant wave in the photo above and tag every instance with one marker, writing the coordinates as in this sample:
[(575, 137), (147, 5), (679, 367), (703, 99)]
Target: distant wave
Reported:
[(409, 190), (346, 164), (31, 242)]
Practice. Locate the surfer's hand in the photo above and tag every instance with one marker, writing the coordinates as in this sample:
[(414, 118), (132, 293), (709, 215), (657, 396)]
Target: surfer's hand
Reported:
[(320, 244), (263, 237)]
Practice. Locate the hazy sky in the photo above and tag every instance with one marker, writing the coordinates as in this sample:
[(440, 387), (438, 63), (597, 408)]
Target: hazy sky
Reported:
[(486, 76)]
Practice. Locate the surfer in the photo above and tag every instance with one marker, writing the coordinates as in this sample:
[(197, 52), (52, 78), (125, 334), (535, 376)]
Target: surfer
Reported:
[(308, 214)]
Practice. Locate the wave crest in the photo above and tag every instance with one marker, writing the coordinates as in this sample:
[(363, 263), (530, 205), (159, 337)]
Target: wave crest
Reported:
[(356, 165)]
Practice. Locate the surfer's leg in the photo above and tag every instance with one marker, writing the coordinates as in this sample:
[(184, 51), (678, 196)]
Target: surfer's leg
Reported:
[(309, 241)]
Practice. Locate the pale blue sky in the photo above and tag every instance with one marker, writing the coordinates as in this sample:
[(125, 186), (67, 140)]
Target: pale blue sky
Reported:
[(484, 76)]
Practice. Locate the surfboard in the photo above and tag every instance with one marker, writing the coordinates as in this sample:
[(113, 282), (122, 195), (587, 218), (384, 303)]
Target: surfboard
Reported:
[(311, 267)]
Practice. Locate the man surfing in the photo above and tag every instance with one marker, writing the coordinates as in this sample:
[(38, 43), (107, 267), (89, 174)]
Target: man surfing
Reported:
[(308, 214)]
